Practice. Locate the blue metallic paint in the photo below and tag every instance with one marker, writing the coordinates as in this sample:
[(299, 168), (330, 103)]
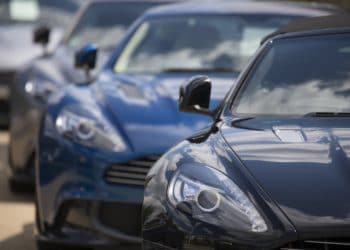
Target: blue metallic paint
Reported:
[(57, 68), (62, 161)]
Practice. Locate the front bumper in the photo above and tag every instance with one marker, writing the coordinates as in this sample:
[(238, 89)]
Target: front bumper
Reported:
[(97, 213), (94, 223), (311, 244), (77, 194)]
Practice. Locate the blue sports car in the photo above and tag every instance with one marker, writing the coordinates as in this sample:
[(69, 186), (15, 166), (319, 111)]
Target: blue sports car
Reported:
[(103, 22), (16, 45), (97, 141)]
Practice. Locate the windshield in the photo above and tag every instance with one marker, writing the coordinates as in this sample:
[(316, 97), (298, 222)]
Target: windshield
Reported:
[(212, 42), (105, 23), (49, 12), (300, 76)]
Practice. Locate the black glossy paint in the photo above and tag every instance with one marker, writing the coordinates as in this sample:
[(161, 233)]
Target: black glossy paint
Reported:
[(301, 188), (168, 226), (310, 180)]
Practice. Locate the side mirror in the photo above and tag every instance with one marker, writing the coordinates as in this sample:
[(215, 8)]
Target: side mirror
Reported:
[(86, 58), (195, 96), (41, 35)]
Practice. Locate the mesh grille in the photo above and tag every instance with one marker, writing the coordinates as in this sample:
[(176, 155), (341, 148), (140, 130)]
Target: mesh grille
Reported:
[(130, 173)]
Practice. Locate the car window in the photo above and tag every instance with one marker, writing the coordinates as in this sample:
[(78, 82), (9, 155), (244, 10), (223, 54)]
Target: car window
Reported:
[(299, 76), (105, 23), (196, 42), (50, 12)]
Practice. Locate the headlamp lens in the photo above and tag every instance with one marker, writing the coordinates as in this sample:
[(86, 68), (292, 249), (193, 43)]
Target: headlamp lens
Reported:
[(214, 198)]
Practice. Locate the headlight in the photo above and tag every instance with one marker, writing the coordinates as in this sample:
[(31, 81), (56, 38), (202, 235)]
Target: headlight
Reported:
[(214, 198), (40, 89), (89, 130)]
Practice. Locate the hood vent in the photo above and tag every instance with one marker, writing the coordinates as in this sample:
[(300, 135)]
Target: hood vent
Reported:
[(289, 134)]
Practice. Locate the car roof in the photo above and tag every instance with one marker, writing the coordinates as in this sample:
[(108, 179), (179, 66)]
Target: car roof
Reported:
[(311, 26), (238, 7)]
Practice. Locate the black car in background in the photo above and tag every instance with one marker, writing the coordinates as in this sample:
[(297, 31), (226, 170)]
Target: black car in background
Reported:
[(272, 171), (18, 19), (100, 22)]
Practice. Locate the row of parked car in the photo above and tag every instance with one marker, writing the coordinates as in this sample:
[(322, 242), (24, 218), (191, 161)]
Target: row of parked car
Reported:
[(262, 164)]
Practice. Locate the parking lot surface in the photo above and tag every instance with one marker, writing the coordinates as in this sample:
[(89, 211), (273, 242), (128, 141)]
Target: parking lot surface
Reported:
[(17, 211)]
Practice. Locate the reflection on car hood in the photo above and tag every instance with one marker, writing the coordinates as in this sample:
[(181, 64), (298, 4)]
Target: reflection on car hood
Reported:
[(304, 165), (16, 46), (146, 107)]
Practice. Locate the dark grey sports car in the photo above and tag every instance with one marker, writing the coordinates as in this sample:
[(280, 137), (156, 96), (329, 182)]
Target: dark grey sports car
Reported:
[(272, 171)]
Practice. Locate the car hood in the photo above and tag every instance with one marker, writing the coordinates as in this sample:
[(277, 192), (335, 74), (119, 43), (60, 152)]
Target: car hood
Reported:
[(17, 47), (146, 108), (303, 164)]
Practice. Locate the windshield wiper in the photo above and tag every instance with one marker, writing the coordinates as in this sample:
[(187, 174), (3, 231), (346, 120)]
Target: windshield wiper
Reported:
[(181, 70), (327, 114)]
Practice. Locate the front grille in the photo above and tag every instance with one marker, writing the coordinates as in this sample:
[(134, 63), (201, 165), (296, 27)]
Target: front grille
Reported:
[(123, 217), (325, 244), (131, 173)]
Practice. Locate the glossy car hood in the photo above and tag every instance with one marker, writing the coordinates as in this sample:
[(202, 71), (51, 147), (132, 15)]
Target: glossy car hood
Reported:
[(146, 108), (16, 46), (303, 164)]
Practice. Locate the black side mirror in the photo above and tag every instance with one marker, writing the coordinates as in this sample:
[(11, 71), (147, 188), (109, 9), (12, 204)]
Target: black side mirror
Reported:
[(86, 58), (195, 96), (41, 35)]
